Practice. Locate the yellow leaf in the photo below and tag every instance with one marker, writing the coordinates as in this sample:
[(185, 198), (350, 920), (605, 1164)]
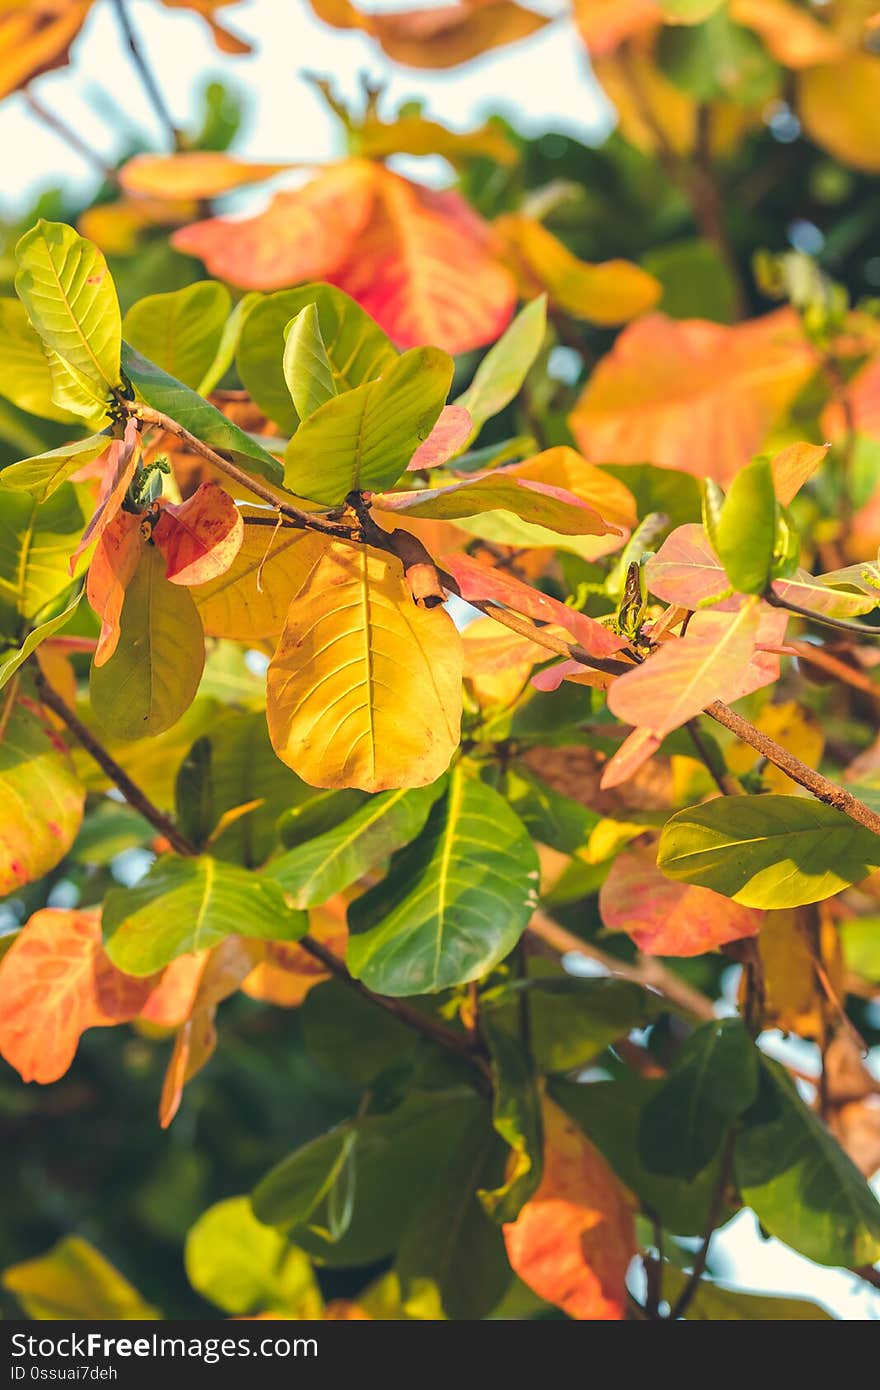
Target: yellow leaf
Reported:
[(838, 104), (74, 1282), (234, 605), (794, 999), (649, 107), (192, 174), (610, 293), (364, 689)]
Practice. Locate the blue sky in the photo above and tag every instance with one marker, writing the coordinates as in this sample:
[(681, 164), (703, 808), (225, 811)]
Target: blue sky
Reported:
[(543, 84)]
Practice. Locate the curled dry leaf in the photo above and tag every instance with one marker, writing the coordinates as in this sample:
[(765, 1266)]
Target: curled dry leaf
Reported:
[(200, 538)]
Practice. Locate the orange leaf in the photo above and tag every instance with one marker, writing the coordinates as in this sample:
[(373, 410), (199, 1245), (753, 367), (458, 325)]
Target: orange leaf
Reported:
[(837, 103), (690, 394), (199, 538), (194, 174), (791, 35), (36, 37), (476, 581), (122, 459), (793, 466), (55, 982), (437, 38), (112, 567), (424, 269), (610, 293), (497, 662), (171, 1002), (605, 24), (285, 972), (302, 235), (664, 918), (225, 39), (573, 1240), (222, 972)]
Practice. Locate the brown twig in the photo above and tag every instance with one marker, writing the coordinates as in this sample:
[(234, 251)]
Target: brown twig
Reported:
[(71, 137), (648, 971), (824, 790), (683, 1301), (145, 72), (136, 798), (841, 670), (453, 1042)]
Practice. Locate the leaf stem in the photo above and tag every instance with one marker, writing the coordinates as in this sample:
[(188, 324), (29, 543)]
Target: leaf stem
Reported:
[(840, 624), (145, 72)]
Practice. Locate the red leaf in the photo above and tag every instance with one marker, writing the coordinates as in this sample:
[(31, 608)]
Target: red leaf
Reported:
[(112, 567), (476, 581), (199, 538), (448, 436), (55, 982), (573, 1240), (690, 394), (303, 235), (425, 270), (664, 918)]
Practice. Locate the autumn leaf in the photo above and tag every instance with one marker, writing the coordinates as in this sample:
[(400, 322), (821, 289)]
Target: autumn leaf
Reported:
[(199, 538), (610, 293), (836, 104), (573, 1240), (222, 972), (55, 982), (36, 37), (194, 174), (123, 457), (690, 394), (355, 653), (112, 568), (225, 39), (302, 235), (448, 437), (425, 270), (442, 37), (605, 24), (664, 918), (284, 972)]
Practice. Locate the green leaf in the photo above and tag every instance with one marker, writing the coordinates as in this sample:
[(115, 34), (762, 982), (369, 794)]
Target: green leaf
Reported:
[(799, 1182), (190, 905), (451, 1242), (153, 675), (44, 473), (714, 1303), (306, 366), (74, 1282), (516, 1116), (609, 1113), (245, 1267), (689, 11), (228, 344), (321, 812), (229, 767), (713, 1080), (504, 368), (25, 374), (202, 419), (402, 1157), (454, 902), (365, 438), (180, 331), (314, 871), (36, 540), (356, 347), (716, 59), (553, 819), (10, 661), (861, 946), (289, 1194), (745, 532), (348, 1035), (767, 851), (41, 799), (64, 284), (696, 281)]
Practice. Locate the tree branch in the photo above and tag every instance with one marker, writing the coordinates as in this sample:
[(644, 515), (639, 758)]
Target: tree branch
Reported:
[(146, 73), (71, 137), (823, 660), (136, 798)]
